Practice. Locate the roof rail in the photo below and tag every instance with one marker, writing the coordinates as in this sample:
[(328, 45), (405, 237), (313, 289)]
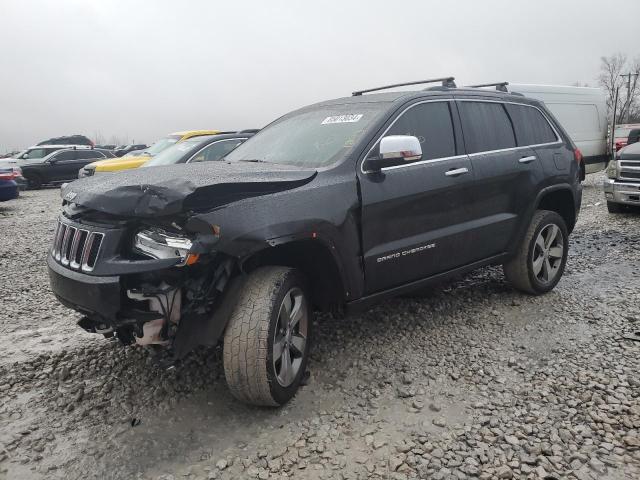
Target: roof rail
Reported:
[(500, 86), (446, 82)]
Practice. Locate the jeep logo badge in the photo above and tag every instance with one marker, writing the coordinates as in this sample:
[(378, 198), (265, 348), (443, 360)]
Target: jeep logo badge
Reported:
[(70, 195)]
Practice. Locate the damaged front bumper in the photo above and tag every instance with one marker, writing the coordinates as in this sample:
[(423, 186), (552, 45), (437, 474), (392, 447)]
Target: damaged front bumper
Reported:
[(139, 299)]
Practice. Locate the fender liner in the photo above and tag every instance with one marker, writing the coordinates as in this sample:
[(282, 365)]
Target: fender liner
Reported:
[(206, 329)]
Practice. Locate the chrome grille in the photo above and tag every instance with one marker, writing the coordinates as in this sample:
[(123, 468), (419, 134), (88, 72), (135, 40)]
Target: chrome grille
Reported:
[(630, 170), (75, 247)]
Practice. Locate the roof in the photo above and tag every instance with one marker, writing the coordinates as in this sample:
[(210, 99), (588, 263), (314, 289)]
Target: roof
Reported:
[(402, 97), (60, 147)]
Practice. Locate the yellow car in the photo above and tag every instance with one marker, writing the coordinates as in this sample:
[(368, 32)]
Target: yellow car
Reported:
[(139, 158)]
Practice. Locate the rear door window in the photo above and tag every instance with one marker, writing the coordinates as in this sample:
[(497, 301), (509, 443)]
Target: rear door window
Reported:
[(87, 154), (486, 126), (431, 123), (65, 156), (531, 127)]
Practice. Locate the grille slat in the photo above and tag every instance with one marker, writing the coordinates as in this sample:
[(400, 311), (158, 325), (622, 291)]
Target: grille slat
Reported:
[(66, 245), (76, 248)]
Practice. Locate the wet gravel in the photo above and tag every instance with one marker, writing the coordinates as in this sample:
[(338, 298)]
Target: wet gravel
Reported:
[(473, 380)]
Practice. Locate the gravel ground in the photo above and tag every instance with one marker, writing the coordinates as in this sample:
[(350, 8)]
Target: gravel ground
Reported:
[(472, 380)]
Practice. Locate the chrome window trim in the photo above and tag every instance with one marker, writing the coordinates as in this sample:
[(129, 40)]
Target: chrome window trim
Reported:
[(555, 132), (469, 155), (213, 143), (419, 162)]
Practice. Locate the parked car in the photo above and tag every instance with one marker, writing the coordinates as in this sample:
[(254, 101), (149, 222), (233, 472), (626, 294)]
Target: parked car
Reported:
[(127, 149), (334, 206), (40, 151), (9, 188), (621, 134), (582, 112), (210, 148), (196, 149), (622, 186), (59, 166), (134, 161), (68, 140), (12, 164), (107, 146)]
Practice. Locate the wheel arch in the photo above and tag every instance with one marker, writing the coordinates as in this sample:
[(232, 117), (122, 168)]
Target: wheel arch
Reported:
[(316, 260), (559, 199)]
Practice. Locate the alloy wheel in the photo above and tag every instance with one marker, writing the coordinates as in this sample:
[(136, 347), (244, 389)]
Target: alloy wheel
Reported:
[(548, 252), (290, 337)]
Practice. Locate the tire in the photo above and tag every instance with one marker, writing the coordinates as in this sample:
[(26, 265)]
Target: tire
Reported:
[(521, 271), (260, 337), (614, 207), (34, 181)]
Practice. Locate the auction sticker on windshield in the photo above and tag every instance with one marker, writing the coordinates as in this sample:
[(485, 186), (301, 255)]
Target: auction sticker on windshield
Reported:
[(342, 119)]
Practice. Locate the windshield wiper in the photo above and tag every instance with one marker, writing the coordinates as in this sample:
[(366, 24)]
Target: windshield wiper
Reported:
[(253, 160)]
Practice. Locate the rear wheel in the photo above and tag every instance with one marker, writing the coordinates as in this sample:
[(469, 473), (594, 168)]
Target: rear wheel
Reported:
[(542, 255), (615, 207), (267, 340)]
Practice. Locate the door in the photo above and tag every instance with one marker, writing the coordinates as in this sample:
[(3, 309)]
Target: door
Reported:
[(61, 164), (506, 174), (414, 216), (82, 158)]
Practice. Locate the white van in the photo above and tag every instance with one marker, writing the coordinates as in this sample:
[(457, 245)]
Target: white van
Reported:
[(582, 111)]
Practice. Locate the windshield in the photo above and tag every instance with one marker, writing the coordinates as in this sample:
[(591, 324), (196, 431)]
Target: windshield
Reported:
[(312, 138), (174, 153), (35, 153), (162, 144)]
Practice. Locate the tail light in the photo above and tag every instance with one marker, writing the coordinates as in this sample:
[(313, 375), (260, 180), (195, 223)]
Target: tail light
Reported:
[(620, 144), (8, 176), (577, 154)]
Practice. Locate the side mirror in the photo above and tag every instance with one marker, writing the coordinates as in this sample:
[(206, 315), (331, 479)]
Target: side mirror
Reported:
[(634, 136), (395, 150), (25, 156)]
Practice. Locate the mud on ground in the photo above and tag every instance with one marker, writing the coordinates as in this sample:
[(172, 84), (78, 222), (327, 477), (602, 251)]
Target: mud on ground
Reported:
[(474, 380)]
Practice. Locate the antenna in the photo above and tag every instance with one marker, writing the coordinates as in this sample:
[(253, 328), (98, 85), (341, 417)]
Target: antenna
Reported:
[(446, 82)]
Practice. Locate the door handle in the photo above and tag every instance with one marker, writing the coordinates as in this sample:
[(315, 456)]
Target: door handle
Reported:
[(527, 159), (456, 171)]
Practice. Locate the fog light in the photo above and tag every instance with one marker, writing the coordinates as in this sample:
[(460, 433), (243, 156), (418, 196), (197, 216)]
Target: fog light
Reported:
[(608, 196)]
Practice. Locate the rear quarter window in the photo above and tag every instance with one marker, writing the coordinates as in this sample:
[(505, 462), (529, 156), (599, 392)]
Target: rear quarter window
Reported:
[(486, 126), (531, 127)]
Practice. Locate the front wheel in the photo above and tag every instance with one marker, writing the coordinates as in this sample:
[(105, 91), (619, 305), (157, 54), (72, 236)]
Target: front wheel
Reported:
[(267, 340), (542, 255)]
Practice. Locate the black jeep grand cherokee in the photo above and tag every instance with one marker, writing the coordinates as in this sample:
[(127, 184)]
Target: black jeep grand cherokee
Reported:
[(339, 204)]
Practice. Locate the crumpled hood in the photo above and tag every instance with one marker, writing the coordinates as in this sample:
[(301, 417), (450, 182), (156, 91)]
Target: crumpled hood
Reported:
[(171, 189)]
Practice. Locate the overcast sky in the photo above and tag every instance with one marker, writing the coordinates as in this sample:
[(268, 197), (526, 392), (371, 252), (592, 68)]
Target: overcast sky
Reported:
[(143, 69)]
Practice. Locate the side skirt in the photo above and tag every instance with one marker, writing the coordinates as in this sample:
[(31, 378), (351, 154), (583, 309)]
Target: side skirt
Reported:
[(366, 302)]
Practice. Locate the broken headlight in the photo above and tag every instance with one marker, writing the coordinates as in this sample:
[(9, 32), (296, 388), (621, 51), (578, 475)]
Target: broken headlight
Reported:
[(160, 244)]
